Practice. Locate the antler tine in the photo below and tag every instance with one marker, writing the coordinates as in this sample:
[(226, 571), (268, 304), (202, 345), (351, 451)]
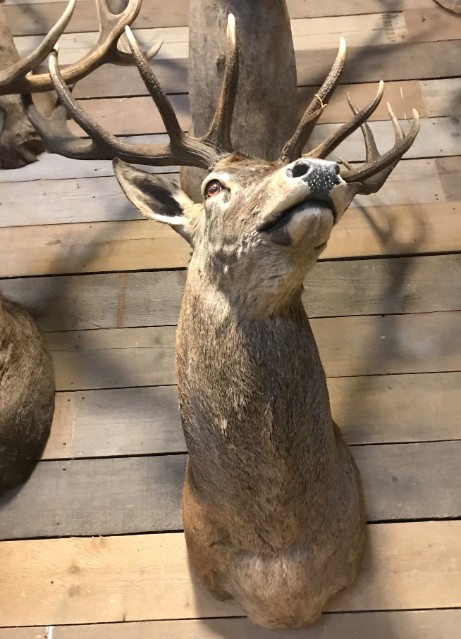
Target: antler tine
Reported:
[(371, 150), (180, 143), (10, 76), (380, 166), (111, 27), (156, 92), (328, 145), (293, 148), (218, 134)]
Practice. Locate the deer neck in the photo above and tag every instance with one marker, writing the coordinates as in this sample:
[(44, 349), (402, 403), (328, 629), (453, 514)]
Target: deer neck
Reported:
[(253, 397)]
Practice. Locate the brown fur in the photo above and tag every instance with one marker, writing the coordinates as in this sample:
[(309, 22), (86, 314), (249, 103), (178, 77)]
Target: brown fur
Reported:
[(26, 394), (19, 141), (273, 508)]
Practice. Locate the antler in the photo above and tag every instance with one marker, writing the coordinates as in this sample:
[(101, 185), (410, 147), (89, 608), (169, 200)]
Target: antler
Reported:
[(182, 150), (18, 79), (374, 172), (376, 166), (328, 145), (371, 175), (295, 145)]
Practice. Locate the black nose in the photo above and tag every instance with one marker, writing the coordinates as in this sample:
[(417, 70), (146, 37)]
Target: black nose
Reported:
[(299, 169)]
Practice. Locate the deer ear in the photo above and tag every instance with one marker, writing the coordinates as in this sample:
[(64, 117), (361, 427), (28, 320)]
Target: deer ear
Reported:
[(158, 198)]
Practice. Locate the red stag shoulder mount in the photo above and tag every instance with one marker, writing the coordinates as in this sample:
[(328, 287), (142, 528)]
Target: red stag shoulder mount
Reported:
[(273, 509)]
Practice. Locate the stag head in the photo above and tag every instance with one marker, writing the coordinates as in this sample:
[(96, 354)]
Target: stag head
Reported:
[(262, 221)]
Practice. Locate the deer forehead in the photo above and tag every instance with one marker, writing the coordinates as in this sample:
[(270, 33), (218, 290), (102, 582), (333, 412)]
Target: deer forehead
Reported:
[(239, 171)]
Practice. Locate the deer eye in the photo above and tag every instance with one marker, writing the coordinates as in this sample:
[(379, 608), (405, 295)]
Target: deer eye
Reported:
[(213, 188)]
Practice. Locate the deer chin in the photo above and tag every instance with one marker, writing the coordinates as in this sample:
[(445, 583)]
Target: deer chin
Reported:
[(313, 218)]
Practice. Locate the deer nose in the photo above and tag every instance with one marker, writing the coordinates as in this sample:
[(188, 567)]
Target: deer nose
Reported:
[(300, 168), (303, 167), (319, 176)]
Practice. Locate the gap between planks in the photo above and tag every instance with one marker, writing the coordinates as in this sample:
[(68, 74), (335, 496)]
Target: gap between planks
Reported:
[(402, 285), (407, 624), (391, 344), (174, 14), (369, 410), (73, 581), (132, 495)]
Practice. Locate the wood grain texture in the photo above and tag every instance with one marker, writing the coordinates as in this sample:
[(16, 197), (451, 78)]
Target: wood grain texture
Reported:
[(422, 60), (309, 34), (429, 22), (438, 138), (143, 245), (442, 97), (392, 344), (103, 579), (392, 62), (411, 624), (152, 298), (55, 167), (143, 494), (37, 16), (369, 409)]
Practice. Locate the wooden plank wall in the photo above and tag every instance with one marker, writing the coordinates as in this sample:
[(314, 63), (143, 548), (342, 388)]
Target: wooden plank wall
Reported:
[(94, 537)]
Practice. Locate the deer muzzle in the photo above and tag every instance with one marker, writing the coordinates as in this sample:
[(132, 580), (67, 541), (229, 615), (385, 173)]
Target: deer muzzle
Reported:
[(324, 183)]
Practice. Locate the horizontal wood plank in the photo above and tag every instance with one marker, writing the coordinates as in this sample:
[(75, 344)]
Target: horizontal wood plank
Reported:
[(441, 97), (404, 96), (370, 409), (422, 60), (411, 624), (392, 344), (143, 494), (31, 17), (427, 21), (363, 31), (152, 298), (61, 200), (392, 62), (144, 245), (309, 34), (103, 579), (50, 166)]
